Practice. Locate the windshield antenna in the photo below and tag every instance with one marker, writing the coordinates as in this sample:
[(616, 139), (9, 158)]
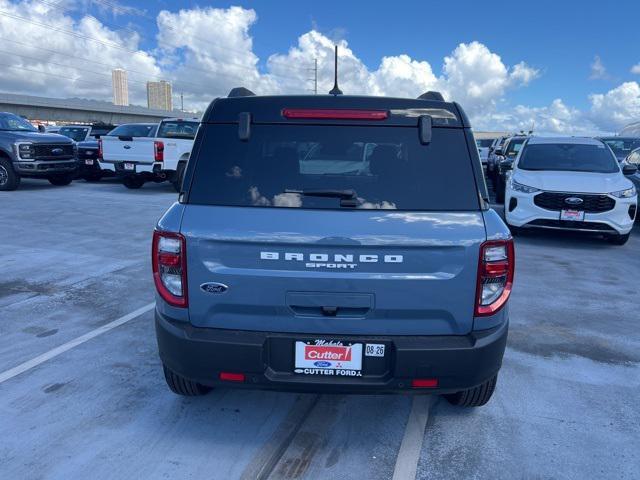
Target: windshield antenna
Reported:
[(335, 90)]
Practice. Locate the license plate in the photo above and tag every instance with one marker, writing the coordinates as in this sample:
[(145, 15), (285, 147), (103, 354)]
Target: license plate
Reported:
[(572, 215), (322, 357), (88, 162), (129, 166)]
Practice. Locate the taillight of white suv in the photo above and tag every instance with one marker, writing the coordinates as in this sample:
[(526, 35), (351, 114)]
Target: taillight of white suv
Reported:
[(495, 276), (169, 265)]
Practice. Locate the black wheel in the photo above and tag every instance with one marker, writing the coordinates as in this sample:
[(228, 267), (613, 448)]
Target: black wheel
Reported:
[(177, 179), (182, 386), (619, 239), (9, 179), (474, 397), (60, 180), (132, 182)]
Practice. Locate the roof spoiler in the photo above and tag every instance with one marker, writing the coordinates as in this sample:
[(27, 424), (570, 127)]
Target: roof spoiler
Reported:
[(431, 95), (241, 92)]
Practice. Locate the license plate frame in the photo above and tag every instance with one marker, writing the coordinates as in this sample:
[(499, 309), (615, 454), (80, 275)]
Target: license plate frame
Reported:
[(88, 161), (129, 167), (572, 215), (328, 357)]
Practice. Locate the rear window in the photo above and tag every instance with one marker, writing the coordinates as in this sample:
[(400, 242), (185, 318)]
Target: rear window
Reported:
[(311, 166), (568, 157), (484, 143), (132, 131), (178, 129), (74, 133)]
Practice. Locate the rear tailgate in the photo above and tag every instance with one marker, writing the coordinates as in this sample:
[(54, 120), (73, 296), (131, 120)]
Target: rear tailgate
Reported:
[(128, 149), (377, 273)]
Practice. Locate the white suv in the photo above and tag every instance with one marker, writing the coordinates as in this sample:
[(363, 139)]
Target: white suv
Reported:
[(571, 184)]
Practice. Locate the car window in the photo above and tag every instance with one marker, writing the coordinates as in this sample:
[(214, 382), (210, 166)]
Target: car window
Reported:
[(178, 129), (622, 147), (634, 157), (484, 142), (74, 133), (132, 130), (11, 122), (515, 144), (279, 165), (568, 157)]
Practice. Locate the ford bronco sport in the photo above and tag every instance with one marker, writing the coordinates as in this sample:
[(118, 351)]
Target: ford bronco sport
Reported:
[(337, 244)]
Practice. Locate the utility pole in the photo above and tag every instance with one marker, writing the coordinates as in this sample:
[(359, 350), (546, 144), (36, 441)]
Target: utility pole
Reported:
[(182, 101), (315, 77)]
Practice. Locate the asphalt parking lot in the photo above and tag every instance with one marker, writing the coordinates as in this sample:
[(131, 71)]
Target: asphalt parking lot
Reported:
[(76, 258)]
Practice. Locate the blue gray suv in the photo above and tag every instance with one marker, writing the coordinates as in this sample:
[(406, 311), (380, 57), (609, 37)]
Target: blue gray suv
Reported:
[(337, 244)]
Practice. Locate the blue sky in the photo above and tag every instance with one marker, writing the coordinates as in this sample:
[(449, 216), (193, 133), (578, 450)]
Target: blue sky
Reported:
[(560, 38), (509, 63)]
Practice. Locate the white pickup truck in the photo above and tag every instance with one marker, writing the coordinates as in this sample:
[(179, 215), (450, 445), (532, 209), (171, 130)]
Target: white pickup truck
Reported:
[(141, 159)]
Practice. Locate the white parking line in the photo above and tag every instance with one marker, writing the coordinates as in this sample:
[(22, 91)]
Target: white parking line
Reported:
[(34, 362), (409, 453)]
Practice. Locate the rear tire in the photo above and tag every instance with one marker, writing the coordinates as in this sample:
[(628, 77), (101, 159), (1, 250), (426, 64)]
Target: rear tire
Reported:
[(179, 175), (473, 397), (132, 182), (60, 180), (181, 386), (619, 239), (9, 179)]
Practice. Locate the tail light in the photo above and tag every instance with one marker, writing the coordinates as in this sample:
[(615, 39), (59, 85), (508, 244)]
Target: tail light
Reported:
[(100, 156), (169, 263), (158, 151), (495, 276)]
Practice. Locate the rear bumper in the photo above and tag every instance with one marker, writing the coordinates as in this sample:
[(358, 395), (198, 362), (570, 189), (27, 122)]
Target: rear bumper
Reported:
[(267, 359)]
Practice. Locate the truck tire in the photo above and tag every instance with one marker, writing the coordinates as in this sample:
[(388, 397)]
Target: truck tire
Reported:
[(60, 180), (474, 397), (619, 239), (177, 179), (9, 179), (132, 182), (182, 386)]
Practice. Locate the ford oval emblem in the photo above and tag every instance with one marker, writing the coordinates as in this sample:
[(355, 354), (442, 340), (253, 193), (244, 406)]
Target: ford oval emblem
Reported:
[(127, 147), (57, 151), (573, 201), (213, 287), (322, 364)]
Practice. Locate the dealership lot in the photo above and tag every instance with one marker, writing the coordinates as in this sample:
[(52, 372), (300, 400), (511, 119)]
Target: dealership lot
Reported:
[(77, 258)]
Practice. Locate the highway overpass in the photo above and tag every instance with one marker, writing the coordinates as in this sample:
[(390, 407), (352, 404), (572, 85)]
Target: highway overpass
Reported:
[(74, 110)]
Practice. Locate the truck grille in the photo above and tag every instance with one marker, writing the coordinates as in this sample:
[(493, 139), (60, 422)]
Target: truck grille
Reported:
[(590, 203), (46, 152)]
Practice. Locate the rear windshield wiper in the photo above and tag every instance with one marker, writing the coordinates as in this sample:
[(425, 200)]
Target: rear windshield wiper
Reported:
[(347, 197)]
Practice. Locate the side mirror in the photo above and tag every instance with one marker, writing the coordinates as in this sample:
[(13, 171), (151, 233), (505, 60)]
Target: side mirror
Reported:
[(41, 128), (629, 169)]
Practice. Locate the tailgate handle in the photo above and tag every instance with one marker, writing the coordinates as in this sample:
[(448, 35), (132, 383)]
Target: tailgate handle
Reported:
[(323, 304)]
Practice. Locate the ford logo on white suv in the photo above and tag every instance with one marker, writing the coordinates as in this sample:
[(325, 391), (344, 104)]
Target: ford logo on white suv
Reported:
[(573, 201)]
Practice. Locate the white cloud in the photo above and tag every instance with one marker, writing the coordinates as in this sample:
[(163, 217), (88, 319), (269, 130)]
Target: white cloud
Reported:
[(617, 107), (636, 69), (598, 70)]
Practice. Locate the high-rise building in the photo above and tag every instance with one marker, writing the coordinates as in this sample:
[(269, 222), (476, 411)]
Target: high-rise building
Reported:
[(159, 95), (120, 87)]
